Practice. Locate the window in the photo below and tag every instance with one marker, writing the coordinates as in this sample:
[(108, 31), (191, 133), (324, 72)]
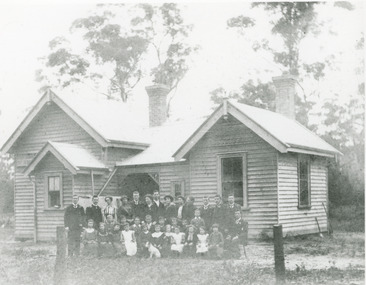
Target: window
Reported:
[(177, 188), (54, 190), (303, 169), (233, 177)]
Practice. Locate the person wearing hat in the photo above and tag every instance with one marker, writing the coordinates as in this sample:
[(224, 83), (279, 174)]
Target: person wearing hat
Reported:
[(74, 218), (125, 209), (170, 208), (94, 212), (109, 209), (150, 208)]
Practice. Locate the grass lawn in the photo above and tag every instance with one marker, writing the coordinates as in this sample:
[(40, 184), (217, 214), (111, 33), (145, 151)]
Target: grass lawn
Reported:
[(311, 260)]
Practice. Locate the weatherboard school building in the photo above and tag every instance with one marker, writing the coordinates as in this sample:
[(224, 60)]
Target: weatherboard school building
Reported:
[(276, 167)]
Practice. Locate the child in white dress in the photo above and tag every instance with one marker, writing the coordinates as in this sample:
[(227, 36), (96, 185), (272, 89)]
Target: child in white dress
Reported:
[(177, 241), (129, 240), (202, 242)]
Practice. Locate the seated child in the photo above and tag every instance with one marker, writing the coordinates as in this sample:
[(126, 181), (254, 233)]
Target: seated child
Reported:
[(129, 240), (118, 247), (177, 240), (161, 222), (202, 242), (136, 227), (190, 242), (166, 250), (174, 223), (143, 242), (109, 224), (227, 243), (104, 244), (215, 242), (123, 221), (184, 227), (157, 240), (197, 221), (149, 223), (89, 240)]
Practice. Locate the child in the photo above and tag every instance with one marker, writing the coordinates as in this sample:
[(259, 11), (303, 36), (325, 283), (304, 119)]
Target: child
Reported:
[(162, 223), (157, 239), (118, 247), (185, 225), (177, 241), (89, 240), (123, 221), (190, 243), (129, 240), (104, 245), (202, 242), (197, 221), (167, 242), (149, 223), (143, 242), (215, 242), (174, 223), (227, 243), (136, 227), (109, 224)]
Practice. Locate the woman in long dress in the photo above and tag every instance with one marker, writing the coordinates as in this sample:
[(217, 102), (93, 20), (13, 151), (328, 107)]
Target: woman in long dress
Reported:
[(125, 209), (129, 240)]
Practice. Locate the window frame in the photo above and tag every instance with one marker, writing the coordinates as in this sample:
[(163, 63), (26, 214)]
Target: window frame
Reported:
[(180, 182), (242, 155), (300, 159), (46, 190)]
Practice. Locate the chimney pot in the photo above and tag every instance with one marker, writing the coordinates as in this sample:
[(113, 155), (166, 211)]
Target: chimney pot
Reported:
[(158, 94), (285, 95)]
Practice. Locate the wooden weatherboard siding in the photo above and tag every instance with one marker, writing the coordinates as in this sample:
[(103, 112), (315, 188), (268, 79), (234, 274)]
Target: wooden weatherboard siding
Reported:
[(234, 137), (50, 124), (295, 220)]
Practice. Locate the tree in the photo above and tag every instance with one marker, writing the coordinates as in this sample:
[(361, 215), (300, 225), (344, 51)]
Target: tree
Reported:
[(117, 43), (6, 185)]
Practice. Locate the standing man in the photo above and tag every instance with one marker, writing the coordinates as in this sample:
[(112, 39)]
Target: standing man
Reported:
[(137, 206), (230, 208), (188, 209), (94, 212), (218, 213), (74, 219), (206, 212), (159, 205)]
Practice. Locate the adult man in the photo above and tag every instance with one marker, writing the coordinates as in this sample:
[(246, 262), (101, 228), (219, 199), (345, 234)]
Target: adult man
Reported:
[(94, 212), (74, 219), (218, 213), (137, 205), (170, 208), (160, 206), (206, 212), (239, 233), (230, 208)]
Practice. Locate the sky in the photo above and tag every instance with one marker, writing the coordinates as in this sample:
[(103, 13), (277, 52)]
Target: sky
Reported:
[(224, 59)]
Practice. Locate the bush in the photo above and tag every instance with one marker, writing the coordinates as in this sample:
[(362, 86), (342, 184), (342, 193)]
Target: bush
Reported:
[(349, 218)]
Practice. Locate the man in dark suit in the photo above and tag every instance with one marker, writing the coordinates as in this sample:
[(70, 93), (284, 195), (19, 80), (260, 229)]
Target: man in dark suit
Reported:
[(218, 213), (230, 208), (239, 233), (160, 206), (206, 212), (137, 206), (74, 219), (94, 212)]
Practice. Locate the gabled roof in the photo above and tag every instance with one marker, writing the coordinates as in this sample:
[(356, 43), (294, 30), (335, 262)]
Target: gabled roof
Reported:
[(105, 121), (282, 133), (73, 157)]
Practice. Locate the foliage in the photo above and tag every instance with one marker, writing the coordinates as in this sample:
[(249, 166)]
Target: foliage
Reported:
[(6, 185), (116, 46), (348, 218)]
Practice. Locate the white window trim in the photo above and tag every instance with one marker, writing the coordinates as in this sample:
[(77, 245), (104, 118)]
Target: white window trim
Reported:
[(50, 174), (243, 155)]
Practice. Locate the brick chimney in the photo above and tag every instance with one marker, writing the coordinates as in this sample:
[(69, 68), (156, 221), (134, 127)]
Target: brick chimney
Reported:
[(285, 95), (158, 94)]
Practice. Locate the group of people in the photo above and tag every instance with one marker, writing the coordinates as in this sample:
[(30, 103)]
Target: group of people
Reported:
[(156, 229)]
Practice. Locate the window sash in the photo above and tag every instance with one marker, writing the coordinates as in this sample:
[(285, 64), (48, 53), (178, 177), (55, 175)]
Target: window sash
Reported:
[(304, 183), (177, 188), (53, 191)]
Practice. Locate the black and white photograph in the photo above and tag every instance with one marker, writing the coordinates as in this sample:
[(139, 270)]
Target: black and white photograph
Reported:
[(193, 142)]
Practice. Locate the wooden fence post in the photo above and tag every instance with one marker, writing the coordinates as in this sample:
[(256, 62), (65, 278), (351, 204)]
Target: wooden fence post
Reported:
[(60, 264), (279, 255)]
